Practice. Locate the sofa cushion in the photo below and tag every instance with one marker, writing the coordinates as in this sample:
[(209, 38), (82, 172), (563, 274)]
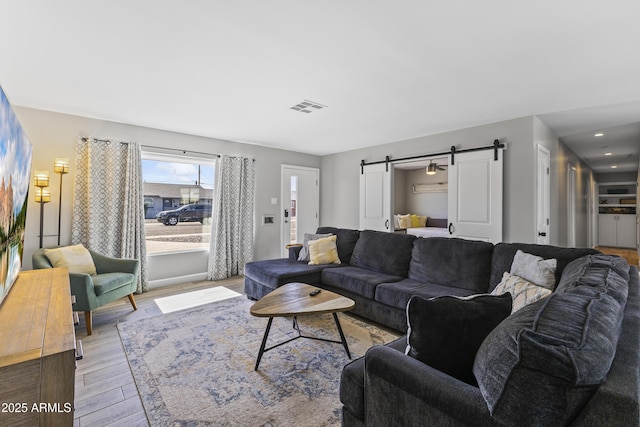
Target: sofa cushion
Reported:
[(388, 253), (452, 262), (446, 332), (276, 272), (543, 363), (535, 269), (503, 254), (345, 242), (323, 251), (398, 294), (356, 280), (107, 282), (352, 381), (522, 291), (303, 255)]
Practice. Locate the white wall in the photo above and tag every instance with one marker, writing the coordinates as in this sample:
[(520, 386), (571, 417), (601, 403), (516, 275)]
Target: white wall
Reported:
[(54, 135), (400, 191), (340, 180), (433, 205)]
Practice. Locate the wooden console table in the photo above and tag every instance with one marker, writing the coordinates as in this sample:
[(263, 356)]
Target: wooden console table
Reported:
[(37, 351)]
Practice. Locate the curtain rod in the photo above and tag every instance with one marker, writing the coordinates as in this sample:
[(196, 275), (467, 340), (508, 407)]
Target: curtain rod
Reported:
[(182, 151), (496, 145), (84, 138)]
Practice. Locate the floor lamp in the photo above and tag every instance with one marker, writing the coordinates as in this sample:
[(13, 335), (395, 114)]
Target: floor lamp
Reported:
[(61, 166), (43, 195)]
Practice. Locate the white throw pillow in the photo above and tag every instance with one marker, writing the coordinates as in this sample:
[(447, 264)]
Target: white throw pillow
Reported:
[(76, 258), (522, 291), (541, 272)]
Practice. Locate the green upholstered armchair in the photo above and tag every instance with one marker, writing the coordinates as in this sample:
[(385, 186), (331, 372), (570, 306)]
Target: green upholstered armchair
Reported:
[(115, 278)]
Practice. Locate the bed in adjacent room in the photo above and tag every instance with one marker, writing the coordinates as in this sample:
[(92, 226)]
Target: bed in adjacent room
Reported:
[(435, 227)]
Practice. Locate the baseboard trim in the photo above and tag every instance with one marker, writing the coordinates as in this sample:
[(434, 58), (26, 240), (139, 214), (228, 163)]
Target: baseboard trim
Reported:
[(198, 277)]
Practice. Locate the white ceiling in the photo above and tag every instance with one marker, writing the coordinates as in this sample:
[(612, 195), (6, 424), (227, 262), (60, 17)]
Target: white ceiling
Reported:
[(386, 71)]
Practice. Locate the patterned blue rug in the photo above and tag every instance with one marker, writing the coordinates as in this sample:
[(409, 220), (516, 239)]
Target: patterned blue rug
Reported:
[(195, 367)]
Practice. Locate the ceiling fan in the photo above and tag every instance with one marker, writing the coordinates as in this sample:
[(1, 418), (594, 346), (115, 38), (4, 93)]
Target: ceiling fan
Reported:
[(433, 168)]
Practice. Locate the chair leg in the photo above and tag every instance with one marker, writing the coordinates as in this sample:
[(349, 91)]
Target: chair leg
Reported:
[(133, 301), (87, 320)]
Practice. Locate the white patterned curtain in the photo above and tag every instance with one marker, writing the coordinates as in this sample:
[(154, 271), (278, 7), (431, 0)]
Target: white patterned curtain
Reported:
[(108, 204), (232, 228)]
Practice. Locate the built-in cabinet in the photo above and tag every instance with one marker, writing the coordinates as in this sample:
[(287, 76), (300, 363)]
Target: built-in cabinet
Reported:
[(617, 205)]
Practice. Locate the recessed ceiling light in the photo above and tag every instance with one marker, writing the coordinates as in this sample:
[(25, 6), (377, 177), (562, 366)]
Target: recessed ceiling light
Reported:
[(614, 167), (598, 134), (608, 154)]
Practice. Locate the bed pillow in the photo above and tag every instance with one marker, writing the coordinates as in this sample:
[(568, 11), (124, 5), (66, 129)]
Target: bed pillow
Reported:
[(522, 291), (76, 258), (535, 269), (446, 332), (323, 251), (304, 252), (405, 221), (418, 221)]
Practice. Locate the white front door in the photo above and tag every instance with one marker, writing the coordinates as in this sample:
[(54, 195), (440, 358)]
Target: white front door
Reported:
[(475, 195), (300, 203), (543, 195), (376, 194)]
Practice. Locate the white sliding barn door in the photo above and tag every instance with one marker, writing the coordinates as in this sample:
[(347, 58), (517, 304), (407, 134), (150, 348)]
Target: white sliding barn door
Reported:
[(475, 195), (376, 194)]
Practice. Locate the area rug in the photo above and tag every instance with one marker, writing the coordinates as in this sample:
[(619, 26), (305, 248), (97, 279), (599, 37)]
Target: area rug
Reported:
[(196, 367)]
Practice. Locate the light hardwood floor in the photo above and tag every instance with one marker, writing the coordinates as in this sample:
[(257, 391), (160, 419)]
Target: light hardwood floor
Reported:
[(631, 255), (105, 393)]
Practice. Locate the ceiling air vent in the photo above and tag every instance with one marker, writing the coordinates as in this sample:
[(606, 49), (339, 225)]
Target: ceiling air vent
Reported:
[(307, 106)]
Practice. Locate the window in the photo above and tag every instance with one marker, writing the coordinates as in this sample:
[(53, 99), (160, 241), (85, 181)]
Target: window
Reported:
[(178, 202)]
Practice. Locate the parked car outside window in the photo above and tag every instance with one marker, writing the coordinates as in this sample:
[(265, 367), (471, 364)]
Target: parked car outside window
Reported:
[(194, 212)]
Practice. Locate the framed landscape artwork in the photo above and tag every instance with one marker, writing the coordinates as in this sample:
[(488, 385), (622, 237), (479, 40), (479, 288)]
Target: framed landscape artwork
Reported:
[(15, 171)]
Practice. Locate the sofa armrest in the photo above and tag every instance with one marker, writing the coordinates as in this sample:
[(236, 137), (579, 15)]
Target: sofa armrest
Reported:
[(105, 264), (82, 287), (401, 390), (294, 251)]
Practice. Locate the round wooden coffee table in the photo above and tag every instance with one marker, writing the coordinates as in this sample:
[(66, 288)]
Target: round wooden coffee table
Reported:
[(294, 299)]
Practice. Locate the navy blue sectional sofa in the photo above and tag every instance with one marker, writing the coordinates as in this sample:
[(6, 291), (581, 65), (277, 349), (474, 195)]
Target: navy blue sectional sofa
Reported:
[(382, 271), (572, 358)]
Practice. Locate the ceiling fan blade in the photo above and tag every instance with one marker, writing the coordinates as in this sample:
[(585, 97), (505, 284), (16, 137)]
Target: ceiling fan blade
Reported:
[(440, 168)]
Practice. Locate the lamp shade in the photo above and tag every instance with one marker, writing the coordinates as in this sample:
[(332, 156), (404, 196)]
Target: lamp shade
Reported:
[(41, 179), (61, 165), (43, 195)]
